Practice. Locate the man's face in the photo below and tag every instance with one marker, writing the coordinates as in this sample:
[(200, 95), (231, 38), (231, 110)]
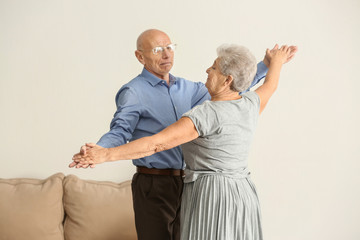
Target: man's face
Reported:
[(158, 64)]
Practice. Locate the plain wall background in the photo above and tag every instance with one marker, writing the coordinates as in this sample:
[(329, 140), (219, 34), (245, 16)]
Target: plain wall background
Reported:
[(62, 62)]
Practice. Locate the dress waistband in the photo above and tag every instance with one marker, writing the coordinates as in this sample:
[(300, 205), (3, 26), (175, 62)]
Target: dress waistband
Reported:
[(191, 176)]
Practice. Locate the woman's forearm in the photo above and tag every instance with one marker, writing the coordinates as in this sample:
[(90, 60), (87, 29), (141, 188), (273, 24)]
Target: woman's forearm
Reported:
[(139, 148), (272, 77), (174, 135), (271, 82)]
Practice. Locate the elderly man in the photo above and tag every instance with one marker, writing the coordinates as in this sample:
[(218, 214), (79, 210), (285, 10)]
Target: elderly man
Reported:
[(146, 105)]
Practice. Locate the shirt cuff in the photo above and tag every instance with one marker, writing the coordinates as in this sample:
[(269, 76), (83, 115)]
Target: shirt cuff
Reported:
[(262, 69)]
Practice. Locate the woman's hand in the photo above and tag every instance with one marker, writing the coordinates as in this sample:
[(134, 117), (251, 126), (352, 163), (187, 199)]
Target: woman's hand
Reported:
[(94, 154), (290, 56), (276, 57), (281, 55)]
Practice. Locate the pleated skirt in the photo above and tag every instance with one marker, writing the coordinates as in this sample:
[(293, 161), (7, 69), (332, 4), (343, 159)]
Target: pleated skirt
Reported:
[(216, 207)]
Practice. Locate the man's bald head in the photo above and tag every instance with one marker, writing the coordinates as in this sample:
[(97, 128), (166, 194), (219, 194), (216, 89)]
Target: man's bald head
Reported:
[(147, 37), (160, 63)]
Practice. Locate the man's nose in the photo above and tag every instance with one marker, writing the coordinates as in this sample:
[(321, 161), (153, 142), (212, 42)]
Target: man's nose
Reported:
[(166, 53)]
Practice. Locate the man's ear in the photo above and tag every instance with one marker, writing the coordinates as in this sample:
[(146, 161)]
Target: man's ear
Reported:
[(140, 57)]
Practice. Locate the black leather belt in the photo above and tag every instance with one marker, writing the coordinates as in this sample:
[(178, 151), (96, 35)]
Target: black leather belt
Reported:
[(165, 172)]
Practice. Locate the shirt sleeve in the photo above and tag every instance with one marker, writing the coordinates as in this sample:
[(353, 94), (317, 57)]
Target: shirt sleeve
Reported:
[(125, 119), (260, 74), (204, 118), (200, 95)]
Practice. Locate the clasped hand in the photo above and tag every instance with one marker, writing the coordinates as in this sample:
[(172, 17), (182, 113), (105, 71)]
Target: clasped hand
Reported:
[(286, 53), (90, 154)]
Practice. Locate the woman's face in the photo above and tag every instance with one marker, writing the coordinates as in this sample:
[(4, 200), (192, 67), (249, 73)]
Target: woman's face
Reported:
[(215, 80)]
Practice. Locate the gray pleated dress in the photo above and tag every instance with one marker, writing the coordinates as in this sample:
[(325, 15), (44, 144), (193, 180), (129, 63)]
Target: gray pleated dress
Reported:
[(219, 200)]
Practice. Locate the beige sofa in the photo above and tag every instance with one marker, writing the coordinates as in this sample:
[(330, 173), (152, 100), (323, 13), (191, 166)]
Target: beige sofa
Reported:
[(65, 207)]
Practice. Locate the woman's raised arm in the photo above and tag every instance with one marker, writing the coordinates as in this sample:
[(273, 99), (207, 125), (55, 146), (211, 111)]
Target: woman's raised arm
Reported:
[(277, 57)]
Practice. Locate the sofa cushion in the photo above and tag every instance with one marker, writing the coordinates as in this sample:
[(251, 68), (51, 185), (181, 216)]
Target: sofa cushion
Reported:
[(32, 208), (98, 210)]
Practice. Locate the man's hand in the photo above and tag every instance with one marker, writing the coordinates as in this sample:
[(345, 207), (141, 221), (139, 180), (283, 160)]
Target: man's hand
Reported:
[(91, 155), (78, 164), (267, 58)]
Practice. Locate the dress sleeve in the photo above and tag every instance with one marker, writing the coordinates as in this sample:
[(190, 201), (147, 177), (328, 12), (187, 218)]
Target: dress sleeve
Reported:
[(204, 118), (254, 100)]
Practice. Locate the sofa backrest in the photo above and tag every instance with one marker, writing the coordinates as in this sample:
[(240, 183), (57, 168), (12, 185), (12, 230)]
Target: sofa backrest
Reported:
[(98, 210), (92, 210)]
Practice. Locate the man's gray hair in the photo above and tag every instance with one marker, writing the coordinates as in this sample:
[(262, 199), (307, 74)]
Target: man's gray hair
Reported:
[(240, 63)]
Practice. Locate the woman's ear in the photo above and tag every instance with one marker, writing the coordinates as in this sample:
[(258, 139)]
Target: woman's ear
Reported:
[(229, 80)]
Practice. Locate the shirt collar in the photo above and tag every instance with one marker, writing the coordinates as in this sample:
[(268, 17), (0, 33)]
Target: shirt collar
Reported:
[(154, 80)]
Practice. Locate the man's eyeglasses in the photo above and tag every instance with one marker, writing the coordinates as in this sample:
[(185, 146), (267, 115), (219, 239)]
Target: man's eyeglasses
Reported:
[(156, 50)]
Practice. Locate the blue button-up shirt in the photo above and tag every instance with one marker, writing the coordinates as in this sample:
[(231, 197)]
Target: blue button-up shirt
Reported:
[(147, 104)]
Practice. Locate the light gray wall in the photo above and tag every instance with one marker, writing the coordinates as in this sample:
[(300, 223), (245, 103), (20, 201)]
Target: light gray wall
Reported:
[(62, 62)]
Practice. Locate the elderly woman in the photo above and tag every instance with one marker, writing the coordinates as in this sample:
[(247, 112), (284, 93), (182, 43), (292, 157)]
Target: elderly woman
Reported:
[(219, 199)]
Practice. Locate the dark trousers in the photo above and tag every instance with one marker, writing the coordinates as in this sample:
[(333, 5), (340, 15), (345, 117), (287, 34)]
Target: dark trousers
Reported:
[(157, 202)]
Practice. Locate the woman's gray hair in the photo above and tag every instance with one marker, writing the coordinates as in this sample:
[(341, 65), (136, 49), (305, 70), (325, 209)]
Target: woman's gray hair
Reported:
[(240, 63)]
